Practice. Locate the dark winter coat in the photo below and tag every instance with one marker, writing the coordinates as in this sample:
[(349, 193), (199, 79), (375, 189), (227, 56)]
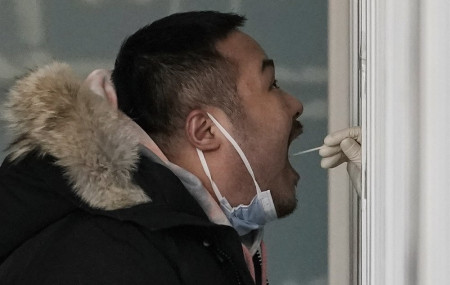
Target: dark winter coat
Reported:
[(80, 204)]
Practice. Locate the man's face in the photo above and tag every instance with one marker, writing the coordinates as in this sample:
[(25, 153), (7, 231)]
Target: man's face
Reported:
[(269, 122)]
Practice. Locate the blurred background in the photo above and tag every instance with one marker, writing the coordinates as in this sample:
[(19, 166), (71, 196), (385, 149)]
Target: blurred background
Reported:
[(87, 34)]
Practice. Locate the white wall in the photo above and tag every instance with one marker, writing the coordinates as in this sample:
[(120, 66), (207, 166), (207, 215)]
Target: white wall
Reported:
[(434, 100)]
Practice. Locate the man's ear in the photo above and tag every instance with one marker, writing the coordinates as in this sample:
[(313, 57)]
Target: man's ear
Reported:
[(201, 131)]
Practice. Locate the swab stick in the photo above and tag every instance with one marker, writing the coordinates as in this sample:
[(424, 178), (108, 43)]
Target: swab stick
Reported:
[(306, 151)]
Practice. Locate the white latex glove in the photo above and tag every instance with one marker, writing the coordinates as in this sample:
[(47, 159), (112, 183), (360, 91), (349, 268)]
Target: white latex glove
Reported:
[(344, 146)]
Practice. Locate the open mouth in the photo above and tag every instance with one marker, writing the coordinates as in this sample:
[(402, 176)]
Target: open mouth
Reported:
[(296, 130)]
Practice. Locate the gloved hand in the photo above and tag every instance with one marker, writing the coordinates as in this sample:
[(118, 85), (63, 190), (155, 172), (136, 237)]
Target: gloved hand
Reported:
[(344, 146)]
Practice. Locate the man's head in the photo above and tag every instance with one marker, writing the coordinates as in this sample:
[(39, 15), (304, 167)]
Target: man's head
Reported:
[(170, 67), (170, 74)]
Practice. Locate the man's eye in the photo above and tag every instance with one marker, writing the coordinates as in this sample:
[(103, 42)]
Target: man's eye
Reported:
[(275, 84)]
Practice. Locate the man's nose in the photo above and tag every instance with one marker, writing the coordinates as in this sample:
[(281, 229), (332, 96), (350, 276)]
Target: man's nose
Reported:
[(295, 105)]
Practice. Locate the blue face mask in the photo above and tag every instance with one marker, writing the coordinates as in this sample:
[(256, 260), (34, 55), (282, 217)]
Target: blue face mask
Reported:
[(243, 218)]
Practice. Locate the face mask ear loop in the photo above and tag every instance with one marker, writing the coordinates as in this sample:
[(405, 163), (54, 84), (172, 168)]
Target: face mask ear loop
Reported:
[(206, 169), (238, 149)]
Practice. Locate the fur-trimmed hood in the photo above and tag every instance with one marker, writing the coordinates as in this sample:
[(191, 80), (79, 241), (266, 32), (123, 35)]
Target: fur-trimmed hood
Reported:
[(95, 144)]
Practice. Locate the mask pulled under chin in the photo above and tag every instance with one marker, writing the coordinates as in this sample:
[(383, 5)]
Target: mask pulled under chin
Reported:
[(246, 218), (243, 218)]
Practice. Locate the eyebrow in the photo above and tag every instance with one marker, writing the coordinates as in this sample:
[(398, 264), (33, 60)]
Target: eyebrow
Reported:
[(266, 63)]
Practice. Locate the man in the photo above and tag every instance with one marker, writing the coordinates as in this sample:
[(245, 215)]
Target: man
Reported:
[(166, 176)]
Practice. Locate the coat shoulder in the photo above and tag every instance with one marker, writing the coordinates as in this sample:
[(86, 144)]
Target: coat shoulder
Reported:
[(86, 249), (90, 249)]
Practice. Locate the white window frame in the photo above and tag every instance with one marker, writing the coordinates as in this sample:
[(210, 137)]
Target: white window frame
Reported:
[(404, 68), (390, 103), (389, 65)]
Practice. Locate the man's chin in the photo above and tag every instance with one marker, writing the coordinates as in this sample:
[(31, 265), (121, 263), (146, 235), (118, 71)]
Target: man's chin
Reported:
[(286, 207), (285, 200)]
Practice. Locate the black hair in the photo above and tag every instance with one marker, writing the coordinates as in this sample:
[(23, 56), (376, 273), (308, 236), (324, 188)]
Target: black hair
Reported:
[(171, 66)]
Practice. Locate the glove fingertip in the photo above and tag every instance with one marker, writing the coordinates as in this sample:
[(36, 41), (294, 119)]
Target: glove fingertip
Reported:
[(329, 141), (324, 151), (328, 151), (324, 164)]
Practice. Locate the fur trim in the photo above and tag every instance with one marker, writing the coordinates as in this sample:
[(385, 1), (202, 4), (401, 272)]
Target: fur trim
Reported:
[(93, 142)]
